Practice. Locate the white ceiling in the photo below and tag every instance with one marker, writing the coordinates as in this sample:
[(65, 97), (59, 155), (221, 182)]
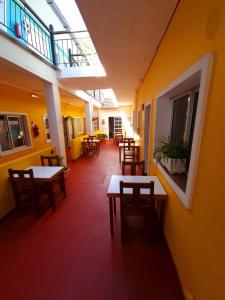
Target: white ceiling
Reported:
[(126, 34)]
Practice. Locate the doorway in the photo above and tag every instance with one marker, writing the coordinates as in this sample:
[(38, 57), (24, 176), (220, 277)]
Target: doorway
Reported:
[(111, 127), (147, 127)]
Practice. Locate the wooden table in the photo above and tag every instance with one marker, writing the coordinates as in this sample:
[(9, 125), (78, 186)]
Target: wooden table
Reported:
[(124, 145), (96, 142), (48, 175), (114, 191)]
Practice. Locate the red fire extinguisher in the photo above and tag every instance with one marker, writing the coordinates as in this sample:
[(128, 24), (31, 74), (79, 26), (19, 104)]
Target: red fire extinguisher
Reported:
[(18, 30)]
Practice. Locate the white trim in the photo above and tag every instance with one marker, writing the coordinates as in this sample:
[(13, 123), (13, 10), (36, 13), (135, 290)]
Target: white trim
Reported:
[(27, 130), (200, 71)]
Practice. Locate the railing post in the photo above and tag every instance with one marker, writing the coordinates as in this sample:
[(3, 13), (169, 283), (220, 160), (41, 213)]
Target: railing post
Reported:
[(70, 57), (51, 29)]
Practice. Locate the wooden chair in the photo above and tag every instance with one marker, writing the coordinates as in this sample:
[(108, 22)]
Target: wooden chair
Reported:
[(128, 140), (129, 152), (137, 204), (25, 190), (92, 137), (51, 160), (54, 161), (91, 148), (135, 167)]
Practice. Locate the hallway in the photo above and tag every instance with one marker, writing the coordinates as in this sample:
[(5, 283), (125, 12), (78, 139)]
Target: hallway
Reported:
[(70, 255)]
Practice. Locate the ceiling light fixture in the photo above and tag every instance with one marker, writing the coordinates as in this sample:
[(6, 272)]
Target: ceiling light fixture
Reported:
[(34, 96)]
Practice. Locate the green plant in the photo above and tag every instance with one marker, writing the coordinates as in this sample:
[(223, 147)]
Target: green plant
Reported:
[(171, 149)]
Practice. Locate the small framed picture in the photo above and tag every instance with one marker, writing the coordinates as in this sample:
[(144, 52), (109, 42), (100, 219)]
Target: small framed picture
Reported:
[(46, 129)]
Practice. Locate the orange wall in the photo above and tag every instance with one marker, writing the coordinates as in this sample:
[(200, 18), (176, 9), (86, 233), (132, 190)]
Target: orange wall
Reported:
[(196, 237)]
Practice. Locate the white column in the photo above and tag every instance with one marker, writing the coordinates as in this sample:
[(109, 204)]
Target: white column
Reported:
[(55, 120), (89, 116)]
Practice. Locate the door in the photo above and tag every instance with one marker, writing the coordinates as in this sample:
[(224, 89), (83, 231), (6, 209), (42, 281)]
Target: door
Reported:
[(147, 125), (111, 127)]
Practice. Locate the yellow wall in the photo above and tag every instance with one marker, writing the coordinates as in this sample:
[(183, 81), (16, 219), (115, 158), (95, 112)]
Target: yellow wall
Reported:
[(16, 100), (69, 109), (197, 237)]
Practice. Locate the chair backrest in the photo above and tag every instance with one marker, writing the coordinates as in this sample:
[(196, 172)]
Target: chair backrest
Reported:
[(128, 140), (87, 139), (92, 137), (136, 197), (129, 152), (51, 160), (135, 167), (22, 181)]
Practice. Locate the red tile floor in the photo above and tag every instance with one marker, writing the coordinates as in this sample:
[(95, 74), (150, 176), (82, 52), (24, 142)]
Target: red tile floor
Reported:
[(70, 255)]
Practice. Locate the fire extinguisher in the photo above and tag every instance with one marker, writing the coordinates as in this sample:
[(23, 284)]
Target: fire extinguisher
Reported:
[(18, 30)]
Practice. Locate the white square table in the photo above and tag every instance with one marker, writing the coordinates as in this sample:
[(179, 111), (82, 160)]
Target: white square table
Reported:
[(114, 190), (48, 174)]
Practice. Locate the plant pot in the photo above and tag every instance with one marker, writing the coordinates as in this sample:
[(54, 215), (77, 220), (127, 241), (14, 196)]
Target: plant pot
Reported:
[(174, 165)]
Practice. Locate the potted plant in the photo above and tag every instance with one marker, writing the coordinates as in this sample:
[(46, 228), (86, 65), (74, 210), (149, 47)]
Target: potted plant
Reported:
[(172, 155)]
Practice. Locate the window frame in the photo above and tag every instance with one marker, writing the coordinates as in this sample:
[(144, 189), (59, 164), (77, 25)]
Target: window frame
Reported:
[(197, 74), (27, 133)]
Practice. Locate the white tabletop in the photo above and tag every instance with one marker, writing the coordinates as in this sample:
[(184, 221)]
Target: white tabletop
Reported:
[(114, 185), (45, 172), (95, 141), (131, 144)]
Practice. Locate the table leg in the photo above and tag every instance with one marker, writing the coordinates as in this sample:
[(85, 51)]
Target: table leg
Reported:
[(120, 154), (51, 195), (62, 184), (114, 205), (111, 215)]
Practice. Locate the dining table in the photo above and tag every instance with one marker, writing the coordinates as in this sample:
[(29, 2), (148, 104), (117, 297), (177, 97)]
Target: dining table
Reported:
[(114, 192), (96, 142), (122, 146), (48, 175)]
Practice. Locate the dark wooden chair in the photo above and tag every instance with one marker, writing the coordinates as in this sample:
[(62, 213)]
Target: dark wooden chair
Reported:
[(135, 168), (129, 153), (51, 160), (54, 161), (91, 148), (25, 191), (118, 138), (137, 204), (92, 137), (128, 140)]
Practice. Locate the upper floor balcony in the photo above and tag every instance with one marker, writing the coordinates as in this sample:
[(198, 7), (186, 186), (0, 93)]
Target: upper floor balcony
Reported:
[(60, 49)]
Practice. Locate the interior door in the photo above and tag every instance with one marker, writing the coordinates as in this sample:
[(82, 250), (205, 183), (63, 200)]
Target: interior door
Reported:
[(111, 127)]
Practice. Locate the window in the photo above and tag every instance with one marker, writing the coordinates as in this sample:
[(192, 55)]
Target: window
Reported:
[(14, 133), (117, 124), (183, 119), (180, 109), (47, 129)]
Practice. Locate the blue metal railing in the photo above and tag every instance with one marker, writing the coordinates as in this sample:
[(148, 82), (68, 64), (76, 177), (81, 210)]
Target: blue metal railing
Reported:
[(62, 49), (22, 23)]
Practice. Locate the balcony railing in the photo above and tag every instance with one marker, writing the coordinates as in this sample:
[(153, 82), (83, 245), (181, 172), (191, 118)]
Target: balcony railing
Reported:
[(97, 94), (19, 21), (60, 49)]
